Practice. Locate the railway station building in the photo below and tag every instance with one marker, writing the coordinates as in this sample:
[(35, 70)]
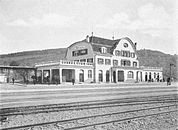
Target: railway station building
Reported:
[(97, 60)]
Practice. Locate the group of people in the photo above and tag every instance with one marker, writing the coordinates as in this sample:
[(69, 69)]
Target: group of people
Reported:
[(73, 80), (168, 81)]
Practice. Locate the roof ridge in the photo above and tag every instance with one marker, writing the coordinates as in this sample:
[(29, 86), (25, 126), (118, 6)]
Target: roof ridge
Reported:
[(103, 45)]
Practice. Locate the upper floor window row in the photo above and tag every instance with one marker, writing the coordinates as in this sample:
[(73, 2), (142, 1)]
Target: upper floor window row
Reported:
[(134, 64), (125, 63), (107, 62), (101, 61), (80, 52), (90, 60), (124, 53), (115, 62)]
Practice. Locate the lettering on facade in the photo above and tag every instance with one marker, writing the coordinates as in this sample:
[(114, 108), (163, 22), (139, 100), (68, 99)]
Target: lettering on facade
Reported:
[(80, 52)]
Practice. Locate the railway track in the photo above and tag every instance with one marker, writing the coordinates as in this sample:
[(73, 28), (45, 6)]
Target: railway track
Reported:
[(81, 95), (14, 98), (87, 105), (109, 118)]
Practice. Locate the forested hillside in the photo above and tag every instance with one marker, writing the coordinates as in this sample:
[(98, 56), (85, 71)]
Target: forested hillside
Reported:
[(31, 57), (159, 59), (146, 58)]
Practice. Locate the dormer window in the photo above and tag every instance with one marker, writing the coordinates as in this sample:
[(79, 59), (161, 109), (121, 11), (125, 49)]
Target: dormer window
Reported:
[(103, 50)]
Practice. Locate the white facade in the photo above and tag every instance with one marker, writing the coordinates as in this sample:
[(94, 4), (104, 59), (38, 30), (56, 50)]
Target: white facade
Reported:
[(100, 60)]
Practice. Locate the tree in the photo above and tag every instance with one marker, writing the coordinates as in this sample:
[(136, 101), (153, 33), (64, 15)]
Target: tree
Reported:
[(21, 72), (14, 63)]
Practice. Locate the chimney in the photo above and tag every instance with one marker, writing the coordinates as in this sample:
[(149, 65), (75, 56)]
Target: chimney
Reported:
[(91, 38), (135, 46), (87, 39)]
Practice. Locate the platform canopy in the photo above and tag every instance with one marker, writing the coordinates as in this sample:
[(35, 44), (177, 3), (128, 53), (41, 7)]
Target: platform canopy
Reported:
[(17, 67)]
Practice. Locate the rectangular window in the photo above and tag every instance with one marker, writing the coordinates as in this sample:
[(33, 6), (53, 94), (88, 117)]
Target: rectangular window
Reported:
[(117, 53), (122, 53), (129, 54), (133, 55), (115, 62), (107, 62), (83, 60), (125, 62), (134, 64), (74, 53), (80, 52), (125, 53), (100, 61), (90, 60), (83, 52)]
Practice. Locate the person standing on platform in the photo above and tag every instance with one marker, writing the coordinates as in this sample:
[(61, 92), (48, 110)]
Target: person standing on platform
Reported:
[(13, 80), (73, 81), (168, 81)]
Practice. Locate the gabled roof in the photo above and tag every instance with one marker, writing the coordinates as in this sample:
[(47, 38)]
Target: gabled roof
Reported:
[(103, 41), (98, 42)]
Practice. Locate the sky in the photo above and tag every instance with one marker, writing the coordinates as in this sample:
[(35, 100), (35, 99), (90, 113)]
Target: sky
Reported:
[(45, 24)]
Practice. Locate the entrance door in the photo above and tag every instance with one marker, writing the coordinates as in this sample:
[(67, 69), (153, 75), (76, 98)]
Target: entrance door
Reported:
[(107, 76), (140, 76), (114, 76), (137, 76), (120, 76), (68, 75), (100, 76), (146, 77), (55, 76), (81, 76)]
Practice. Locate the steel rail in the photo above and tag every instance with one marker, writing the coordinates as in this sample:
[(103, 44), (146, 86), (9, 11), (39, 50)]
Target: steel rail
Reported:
[(95, 116), (84, 95), (120, 120), (95, 101), (85, 91), (78, 107)]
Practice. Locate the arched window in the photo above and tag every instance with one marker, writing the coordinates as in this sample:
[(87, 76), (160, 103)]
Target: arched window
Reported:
[(146, 76), (100, 76), (150, 76), (81, 75), (89, 74), (130, 75)]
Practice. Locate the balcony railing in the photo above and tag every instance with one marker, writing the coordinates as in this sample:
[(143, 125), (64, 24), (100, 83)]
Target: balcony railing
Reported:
[(64, 62)]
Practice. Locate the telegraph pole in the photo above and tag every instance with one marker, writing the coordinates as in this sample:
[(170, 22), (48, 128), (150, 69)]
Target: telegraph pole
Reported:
[(170, 72)]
